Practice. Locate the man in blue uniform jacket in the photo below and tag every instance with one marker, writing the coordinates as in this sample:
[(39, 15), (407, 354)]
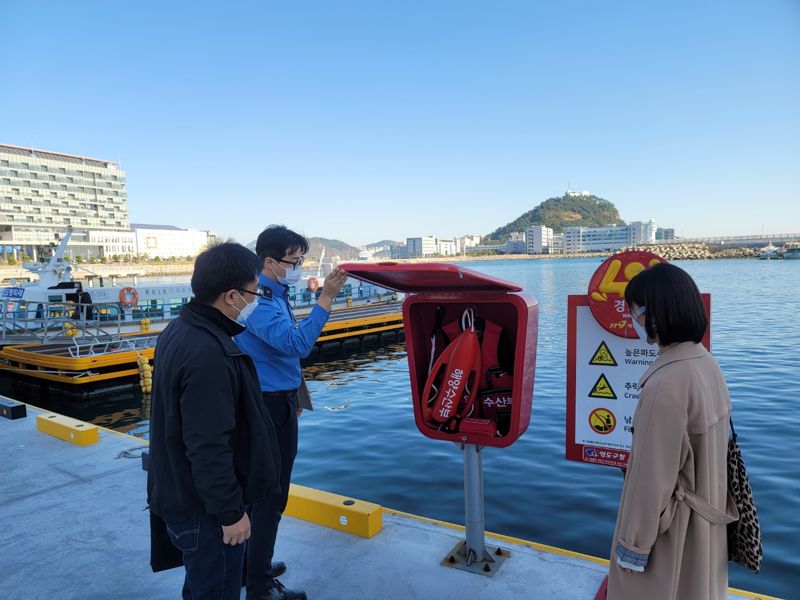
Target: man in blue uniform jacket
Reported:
[(213, 450), (276, 342)]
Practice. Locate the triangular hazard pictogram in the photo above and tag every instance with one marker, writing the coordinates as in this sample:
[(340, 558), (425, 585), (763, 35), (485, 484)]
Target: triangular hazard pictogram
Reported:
[(602, 389), (603, 356)]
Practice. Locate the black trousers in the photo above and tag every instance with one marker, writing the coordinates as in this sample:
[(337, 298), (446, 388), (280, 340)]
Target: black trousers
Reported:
[(265, 516)]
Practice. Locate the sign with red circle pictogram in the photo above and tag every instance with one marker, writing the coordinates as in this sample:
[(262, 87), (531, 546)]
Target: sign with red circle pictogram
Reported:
[(607, 290), (602, 421)]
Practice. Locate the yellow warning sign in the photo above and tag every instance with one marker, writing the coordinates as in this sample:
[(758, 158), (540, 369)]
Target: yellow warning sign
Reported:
[(602, 421), (603, 356), (602, 389)]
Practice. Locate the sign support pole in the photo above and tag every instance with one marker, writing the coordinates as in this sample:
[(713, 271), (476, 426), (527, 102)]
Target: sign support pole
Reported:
[(473, 503), (472, 554)]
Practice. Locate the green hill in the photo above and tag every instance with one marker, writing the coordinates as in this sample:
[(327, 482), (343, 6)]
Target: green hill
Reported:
[(384, 243), (557, 213), (332, 248)]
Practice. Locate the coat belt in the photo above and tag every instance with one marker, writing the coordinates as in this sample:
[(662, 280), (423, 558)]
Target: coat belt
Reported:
[(699, 505)]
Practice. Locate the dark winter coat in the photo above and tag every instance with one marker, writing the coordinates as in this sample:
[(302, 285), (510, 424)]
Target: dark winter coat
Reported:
[(213, 448)]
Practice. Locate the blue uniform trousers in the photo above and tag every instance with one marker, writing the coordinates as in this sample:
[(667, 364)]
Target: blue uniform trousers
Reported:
[(265, 516)]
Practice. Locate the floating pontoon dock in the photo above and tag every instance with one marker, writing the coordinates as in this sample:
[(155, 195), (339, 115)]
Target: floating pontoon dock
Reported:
[(85, 357)]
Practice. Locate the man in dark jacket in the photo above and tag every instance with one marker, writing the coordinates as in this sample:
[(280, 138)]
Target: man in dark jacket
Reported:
[(83, 299), (213, 450)]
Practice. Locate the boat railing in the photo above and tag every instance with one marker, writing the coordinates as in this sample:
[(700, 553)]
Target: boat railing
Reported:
[(41, 322), (122, 344), (24, 321), (304, 298)]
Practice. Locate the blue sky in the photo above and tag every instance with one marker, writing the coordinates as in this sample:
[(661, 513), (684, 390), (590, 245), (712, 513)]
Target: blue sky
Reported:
[(370, 120)]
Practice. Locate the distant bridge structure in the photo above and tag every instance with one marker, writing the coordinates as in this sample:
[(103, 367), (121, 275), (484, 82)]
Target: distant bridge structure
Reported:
[(738, 241)]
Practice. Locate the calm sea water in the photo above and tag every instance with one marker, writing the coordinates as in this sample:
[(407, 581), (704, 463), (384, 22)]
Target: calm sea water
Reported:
[(361, 440)]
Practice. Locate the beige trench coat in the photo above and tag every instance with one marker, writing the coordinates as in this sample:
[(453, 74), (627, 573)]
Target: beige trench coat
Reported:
[(675, 506)]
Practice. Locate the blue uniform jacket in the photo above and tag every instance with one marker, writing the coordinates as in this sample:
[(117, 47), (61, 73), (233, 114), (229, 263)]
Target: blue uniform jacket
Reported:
[(276, 341)]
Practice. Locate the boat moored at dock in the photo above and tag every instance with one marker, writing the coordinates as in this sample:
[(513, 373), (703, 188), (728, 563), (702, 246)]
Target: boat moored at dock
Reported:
[(791, 250), (768, 252)]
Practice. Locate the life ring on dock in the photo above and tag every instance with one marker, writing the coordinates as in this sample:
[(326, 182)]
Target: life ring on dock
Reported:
[(313, 284), (128, 296)]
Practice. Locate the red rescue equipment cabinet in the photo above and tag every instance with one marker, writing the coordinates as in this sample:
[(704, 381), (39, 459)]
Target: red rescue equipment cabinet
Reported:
[(443, 301)]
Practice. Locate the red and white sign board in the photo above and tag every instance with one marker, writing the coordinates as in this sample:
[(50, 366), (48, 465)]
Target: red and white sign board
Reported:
[(605, 360)]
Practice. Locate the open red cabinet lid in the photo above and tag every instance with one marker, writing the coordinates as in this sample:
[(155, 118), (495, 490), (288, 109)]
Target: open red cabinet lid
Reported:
[(428, 277)]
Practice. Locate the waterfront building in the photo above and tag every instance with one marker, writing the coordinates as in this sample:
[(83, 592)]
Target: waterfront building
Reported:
[(574, 194), (663, 235), (421, 246), (515, 244), (42, 193), (465, 241), (515, 247), (167, 241), (497, 248), (643, 233), (607, 239), (112, 243), (446, 247), (400, 251), (539, 239)]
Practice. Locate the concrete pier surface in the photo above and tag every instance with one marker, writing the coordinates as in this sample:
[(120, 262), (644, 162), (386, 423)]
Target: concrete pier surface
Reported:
[(74, 525)]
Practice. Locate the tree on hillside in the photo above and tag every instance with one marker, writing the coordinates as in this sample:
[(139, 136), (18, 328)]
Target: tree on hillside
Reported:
[(558, 213)]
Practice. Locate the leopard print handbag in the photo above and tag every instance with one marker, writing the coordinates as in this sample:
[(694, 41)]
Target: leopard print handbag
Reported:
[(744, 535)]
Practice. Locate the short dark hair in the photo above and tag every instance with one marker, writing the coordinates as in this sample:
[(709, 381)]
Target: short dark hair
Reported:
[(276, 241), (674, 309), (221, 268)]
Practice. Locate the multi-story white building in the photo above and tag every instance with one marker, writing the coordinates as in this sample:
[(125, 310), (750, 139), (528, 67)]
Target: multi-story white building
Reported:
[(515, 244), (539, 239), (467, 241), (607, 239), (167, 241), (42, 193), (113, 243), (643, 233), (447, 247), (558, 243), (421, 246)]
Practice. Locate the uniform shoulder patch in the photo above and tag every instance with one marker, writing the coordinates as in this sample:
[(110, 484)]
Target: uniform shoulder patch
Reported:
[(266, 292)]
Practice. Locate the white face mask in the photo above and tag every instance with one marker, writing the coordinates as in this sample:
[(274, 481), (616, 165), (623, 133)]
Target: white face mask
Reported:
[(640, 330), (292, 276), (248, 309)]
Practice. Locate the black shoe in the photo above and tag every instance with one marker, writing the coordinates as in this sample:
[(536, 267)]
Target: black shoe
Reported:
[(278, 569), (279, 592)]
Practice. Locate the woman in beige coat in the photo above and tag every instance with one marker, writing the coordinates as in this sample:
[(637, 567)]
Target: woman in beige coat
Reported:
[(670, 540)]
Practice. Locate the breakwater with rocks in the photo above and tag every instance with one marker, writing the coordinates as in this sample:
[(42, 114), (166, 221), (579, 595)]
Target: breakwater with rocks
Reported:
[(696, 251)]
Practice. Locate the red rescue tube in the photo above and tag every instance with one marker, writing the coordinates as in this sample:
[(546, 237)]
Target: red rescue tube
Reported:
[(447, 395)]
